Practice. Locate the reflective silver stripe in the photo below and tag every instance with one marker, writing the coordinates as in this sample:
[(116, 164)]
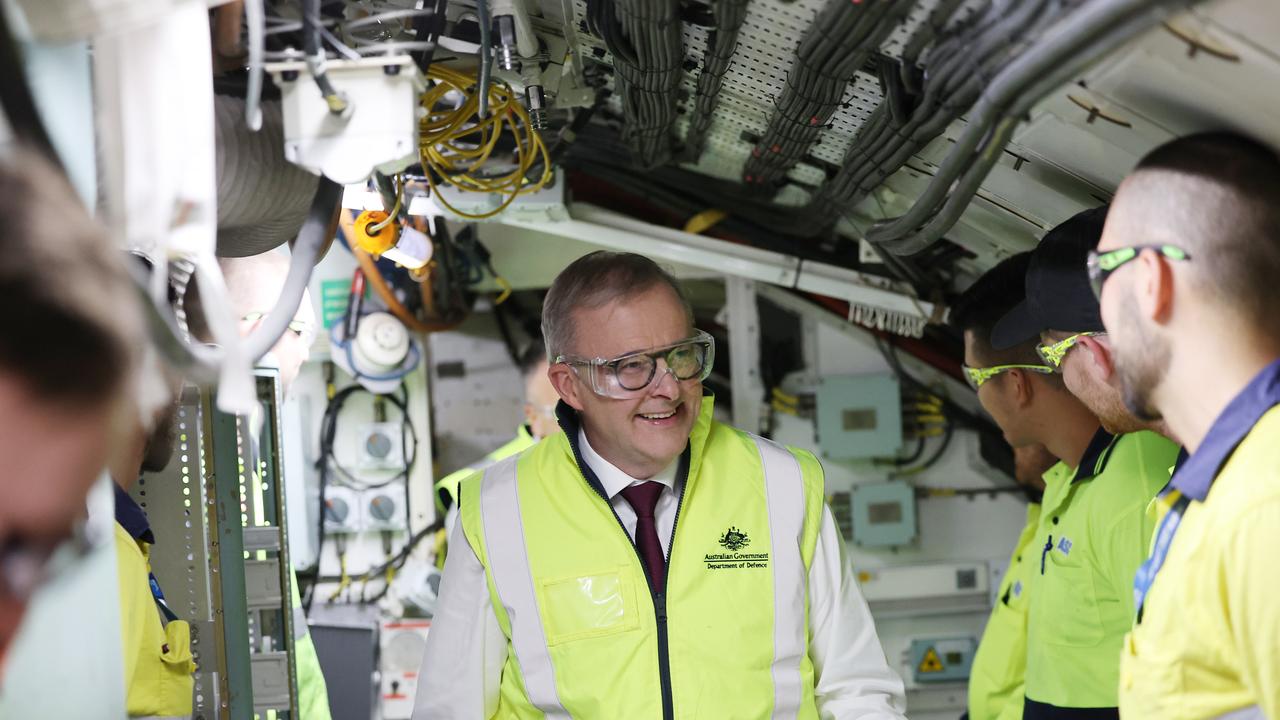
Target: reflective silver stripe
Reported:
[(784, 491), (300, 629), (509, 563), (1253, 712)]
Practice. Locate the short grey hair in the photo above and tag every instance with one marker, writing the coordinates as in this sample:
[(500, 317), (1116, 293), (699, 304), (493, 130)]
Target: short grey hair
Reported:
[(596, 279)]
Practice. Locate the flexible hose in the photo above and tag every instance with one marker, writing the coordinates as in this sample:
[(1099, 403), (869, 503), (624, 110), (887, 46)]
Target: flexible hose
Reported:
[(256, 19), (486, 55), (1067, 48)]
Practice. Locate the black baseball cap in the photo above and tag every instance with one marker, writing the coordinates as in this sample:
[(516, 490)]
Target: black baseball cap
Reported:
[(1058, 293)]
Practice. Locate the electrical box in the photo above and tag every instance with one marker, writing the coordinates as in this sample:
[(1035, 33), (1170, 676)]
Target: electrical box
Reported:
[(945, 588), (937, 660), (384, 509), (403, 643), (859, 417), (382, 446), (379, 131), (342, 510), (884, 514)]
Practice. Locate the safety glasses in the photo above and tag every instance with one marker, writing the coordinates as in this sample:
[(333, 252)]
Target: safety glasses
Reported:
[(630, 375), (1102, 264), (1053, 353), (25, 566), (977, 377)]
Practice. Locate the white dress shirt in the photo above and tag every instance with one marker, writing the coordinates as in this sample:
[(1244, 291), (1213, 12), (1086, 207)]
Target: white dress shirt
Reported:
[(466, 650)]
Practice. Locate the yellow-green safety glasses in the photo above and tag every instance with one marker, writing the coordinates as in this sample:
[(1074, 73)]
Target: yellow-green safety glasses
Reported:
[(1053, 353), (1102, 264), (977, 377)]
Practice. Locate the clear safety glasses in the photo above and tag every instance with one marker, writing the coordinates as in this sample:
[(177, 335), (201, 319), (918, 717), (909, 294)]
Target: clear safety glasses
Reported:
[(1102, 264), (24, 567), (977, 377), (630, 375), (1054, 353)]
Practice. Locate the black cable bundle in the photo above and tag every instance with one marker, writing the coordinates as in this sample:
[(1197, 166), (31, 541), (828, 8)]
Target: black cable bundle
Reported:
[(648, 56), (961, 63), (721, 42), (836, 45)]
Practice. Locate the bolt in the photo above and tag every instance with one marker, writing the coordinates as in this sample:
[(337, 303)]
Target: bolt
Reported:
[(391, 69), (289, 75)]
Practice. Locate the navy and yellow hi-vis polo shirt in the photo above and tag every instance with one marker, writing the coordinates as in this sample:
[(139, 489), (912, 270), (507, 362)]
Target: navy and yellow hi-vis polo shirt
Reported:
[(1092, 537), (1207, 640)]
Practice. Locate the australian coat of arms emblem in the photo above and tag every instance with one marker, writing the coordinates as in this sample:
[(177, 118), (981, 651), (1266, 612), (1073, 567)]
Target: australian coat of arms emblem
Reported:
[(734, 539)]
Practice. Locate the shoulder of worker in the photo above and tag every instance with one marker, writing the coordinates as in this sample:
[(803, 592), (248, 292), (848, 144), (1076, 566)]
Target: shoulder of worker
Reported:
[(719, 433), (1250, 479), (1143, 459)]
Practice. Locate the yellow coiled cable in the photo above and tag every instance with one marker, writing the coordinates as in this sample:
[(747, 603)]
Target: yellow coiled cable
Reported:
[(454, 146)]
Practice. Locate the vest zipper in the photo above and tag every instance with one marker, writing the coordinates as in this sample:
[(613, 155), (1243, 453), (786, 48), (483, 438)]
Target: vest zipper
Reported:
[(1044, 552), (659, 599)]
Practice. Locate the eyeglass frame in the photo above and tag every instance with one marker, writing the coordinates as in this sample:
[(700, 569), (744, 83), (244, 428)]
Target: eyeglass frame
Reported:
[(24, 568), (977, 377), (1100, 264), (661, 352), (1055, 353)]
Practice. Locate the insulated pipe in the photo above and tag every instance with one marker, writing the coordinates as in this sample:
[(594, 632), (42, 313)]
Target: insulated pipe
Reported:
[(1067, 46)]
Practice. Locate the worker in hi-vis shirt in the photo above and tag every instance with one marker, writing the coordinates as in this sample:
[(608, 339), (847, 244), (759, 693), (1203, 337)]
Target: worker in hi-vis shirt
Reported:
[(1094, 525), (999, 666), (1188, 273), (1023, 397), (540, 400)]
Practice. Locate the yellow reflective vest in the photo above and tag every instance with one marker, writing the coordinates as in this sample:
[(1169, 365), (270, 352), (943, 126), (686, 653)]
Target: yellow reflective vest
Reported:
[(447, 486), (588, 636), (1000, 665)]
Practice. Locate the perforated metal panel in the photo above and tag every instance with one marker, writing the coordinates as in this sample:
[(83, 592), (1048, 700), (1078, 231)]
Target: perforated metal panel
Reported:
[(176, 505), (767, 43)]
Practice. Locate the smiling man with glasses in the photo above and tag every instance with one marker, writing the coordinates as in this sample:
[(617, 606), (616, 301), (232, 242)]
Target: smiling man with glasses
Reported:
[(1188, 273), (648, 562), (1094, 527)]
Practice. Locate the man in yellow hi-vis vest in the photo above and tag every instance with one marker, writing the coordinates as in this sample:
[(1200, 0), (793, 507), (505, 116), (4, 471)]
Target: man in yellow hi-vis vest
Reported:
[(649, 562), (539, 421)]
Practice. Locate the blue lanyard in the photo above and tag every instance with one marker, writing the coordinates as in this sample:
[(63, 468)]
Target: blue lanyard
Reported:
[(158, 595), (1164, 538)]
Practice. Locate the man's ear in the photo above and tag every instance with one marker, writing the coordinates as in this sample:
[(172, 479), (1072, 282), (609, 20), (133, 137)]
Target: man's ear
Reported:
[(566, 384), (1023, 390), (1099, 354), (1153, 287)]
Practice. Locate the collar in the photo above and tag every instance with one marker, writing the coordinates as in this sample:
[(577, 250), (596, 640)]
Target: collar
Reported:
[(688, 464), (614, 480), (132, 518), (1195, 476), (1095, 456), (524, 432)]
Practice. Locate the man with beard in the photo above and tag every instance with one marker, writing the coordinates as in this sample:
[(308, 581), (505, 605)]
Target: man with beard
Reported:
[(1094, 527), (1188, 274), (1043, 422)]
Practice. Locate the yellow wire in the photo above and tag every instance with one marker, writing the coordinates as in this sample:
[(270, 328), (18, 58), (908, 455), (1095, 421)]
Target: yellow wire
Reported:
[(390, 218), (453, 144)]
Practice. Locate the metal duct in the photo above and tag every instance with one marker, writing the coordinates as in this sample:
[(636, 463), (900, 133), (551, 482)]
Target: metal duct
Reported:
[(262, 198)]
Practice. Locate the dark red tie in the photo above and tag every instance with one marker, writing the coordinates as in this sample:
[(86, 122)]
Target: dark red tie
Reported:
[(643, 499)]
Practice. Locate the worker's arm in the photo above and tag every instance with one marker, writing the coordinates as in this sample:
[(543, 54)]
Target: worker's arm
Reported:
[(462, 667), (852, 677), (1249, 599)]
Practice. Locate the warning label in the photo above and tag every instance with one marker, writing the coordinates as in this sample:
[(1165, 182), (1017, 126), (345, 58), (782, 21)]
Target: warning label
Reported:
[(930, 663)]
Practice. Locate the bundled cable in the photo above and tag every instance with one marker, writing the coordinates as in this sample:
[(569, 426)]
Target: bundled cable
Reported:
[(958, 66), (457, 143), (1082, 36), (648, 57), (721, 42), (836, 45)]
